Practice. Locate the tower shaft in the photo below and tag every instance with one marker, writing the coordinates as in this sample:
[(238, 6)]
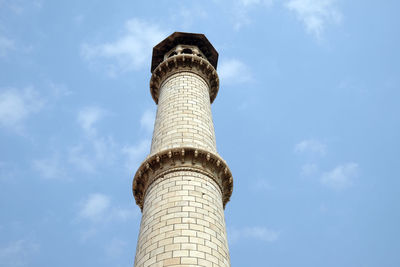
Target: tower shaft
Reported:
[(183, 185), (184, 114)]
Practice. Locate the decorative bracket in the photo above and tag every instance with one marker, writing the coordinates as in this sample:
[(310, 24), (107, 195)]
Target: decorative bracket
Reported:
[(180, 63), (187, 158)]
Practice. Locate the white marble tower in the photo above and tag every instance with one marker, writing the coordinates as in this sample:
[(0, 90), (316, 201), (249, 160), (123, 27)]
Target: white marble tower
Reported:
[(183, 185)]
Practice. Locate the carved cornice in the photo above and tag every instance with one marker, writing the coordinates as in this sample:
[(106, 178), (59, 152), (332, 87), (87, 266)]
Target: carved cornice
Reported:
[(180, 63), (186, 159)]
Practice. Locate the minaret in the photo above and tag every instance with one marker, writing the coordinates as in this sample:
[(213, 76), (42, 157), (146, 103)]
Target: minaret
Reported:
[(183, 185)]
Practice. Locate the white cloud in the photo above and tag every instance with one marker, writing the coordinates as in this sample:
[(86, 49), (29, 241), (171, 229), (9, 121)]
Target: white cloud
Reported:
[(8, 171), (147, 120), (87, 234), (79, 19), (241, 9), (233, 71), (185, 17), (104, 149), (58, 90), (131, 51), (261, 233), (50, 168), (115, 248), (17, 253), (6, 45), (95, 206), (315, 14), (261, 185), (97, 150), (19, 7), (80, 159), (17, 105), (98, 208), (136, 154), (258, 233), (247, 3), (309, 169), (341, 177), (88, 117), (125, 214), (311, 146), (97, 153)]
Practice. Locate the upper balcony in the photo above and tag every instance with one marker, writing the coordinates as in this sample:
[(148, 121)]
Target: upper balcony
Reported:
[(184, 43)]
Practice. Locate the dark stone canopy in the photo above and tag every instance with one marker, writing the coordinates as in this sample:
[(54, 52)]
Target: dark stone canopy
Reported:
[(184, 38)]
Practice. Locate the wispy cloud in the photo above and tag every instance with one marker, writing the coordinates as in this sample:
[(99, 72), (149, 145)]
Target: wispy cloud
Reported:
[(136, 154), (310, 146), (247, 3), (341, 177), (88, 117), (116, 248), (6, 45), (96, 149), (315, 14), (95, 206), (258, 233), (131, 51), (147, 120), (241, 10), (58, 90), (78, 19), (234, 71), (98, 208), (309, 169), (8, 171), (184, 15), (97, 152), (50, 168), (18, 253), (19, 7), (17, 105), (261, 185), (82, 160)]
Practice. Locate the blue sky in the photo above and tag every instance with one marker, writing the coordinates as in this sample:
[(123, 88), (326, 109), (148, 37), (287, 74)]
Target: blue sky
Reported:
[(307, 118)]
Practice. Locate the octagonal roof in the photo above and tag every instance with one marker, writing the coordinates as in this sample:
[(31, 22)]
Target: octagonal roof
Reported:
[(200, 40)]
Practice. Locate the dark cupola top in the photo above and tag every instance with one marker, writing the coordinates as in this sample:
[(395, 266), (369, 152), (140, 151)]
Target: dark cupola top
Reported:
[(160, 51)]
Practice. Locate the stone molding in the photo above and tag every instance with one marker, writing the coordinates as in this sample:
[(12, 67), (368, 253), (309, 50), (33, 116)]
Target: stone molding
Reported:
[(181, 63), (182, 159)]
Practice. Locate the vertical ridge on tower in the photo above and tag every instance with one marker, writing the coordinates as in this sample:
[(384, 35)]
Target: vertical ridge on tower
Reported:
[(183, 185)]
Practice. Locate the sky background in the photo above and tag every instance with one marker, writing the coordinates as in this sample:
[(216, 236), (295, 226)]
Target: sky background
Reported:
[(307, 117)]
